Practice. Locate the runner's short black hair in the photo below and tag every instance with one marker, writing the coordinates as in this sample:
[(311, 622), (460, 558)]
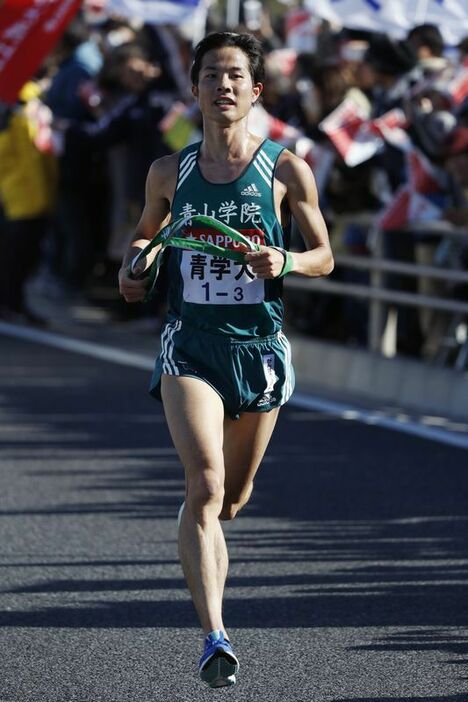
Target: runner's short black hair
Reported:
[(247, 43)]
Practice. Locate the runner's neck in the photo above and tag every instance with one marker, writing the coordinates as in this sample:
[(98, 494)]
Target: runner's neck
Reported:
[(224, 156)]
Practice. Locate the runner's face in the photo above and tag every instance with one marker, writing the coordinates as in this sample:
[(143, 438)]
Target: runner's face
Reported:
[(225, 91)]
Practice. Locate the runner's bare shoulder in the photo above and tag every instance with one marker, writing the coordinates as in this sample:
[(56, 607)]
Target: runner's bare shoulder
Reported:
[(291, 166), (162, 176)]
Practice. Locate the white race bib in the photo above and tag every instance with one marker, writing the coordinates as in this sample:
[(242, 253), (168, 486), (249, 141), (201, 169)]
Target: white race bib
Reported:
[(213, 280)]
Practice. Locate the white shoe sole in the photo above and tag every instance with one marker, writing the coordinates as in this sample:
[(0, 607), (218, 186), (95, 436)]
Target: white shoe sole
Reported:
[(179, 516), (219, 672)]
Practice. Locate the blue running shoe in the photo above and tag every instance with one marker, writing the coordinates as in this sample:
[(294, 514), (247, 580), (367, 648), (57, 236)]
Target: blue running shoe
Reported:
[(218, 665)]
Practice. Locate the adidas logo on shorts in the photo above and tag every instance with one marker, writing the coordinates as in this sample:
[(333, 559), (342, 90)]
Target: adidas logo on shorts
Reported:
[(266, 399), (251, 191)]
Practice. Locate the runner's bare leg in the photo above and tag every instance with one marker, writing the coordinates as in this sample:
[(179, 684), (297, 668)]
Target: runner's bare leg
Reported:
[(245, 442), (195, 414)]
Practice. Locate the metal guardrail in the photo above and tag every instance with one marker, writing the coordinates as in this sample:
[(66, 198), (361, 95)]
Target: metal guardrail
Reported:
[(377, 294), (389, 266)]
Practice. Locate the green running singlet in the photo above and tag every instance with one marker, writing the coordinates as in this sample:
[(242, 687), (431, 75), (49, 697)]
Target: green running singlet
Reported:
[(211, 293)]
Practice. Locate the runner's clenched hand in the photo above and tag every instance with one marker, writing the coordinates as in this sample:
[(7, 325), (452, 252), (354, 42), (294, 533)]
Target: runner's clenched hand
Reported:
[(266, 263), (133, 290)]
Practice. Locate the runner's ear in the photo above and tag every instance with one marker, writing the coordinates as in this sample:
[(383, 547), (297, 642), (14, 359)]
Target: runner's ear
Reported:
[(257, 91)]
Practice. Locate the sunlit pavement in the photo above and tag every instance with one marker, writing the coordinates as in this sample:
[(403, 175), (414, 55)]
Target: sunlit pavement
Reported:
[(348, 576)]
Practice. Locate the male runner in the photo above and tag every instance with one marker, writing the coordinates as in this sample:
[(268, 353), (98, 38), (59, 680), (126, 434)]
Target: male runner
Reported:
[(225, 365)]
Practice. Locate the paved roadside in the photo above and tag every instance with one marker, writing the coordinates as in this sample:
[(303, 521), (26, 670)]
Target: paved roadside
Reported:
[(349, 568)]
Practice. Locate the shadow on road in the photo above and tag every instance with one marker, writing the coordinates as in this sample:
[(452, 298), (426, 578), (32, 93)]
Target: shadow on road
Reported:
[(450, 698), (381, 516)]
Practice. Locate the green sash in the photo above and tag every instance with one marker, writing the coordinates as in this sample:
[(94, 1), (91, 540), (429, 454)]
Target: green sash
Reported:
[(168, 237)]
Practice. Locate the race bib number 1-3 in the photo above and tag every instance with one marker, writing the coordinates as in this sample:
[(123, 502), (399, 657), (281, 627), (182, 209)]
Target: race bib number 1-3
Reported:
[(214, 280)]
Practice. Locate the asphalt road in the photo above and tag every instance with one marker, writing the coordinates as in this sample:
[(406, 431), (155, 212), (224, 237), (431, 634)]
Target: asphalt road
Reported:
[(349, 568)]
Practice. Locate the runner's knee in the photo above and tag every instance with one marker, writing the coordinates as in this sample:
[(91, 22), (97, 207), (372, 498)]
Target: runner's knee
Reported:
[(205, 494)]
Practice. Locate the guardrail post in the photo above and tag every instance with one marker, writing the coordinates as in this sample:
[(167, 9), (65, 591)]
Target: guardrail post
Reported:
[(376, 307)]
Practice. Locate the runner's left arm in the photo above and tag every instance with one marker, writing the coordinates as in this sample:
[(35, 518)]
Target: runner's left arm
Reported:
[(302, 198)]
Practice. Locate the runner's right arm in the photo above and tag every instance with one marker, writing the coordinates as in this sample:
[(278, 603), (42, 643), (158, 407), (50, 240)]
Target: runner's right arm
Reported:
[(156, 214)]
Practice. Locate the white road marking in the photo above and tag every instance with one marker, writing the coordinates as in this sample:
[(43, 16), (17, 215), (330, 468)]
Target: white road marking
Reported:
[(86, 348), (356, 414), (342, 410)]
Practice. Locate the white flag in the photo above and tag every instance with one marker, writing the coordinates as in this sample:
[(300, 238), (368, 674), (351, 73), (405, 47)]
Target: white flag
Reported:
[(155, 11), (396, 17)]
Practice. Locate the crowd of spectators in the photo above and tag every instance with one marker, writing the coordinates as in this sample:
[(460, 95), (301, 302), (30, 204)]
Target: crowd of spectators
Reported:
[(114, 96)]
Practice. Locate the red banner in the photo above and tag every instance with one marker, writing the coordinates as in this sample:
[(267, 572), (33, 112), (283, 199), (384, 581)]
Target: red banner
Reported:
[(28, 32)]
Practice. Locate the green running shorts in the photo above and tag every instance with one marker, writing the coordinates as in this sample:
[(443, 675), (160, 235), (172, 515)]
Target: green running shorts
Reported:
[(254, 375)]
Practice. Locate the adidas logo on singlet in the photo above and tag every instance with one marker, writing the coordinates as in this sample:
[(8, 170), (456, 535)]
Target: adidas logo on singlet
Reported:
[(251, 191)]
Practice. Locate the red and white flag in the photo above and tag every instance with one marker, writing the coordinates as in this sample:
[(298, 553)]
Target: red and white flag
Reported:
[(265, 125), (391, 127), (407, 207), (28, 31), (319, 158), (350, 132), (458, 86), (423, 177), (357, 139), (395, 214), (422, 209), (302, 28)]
